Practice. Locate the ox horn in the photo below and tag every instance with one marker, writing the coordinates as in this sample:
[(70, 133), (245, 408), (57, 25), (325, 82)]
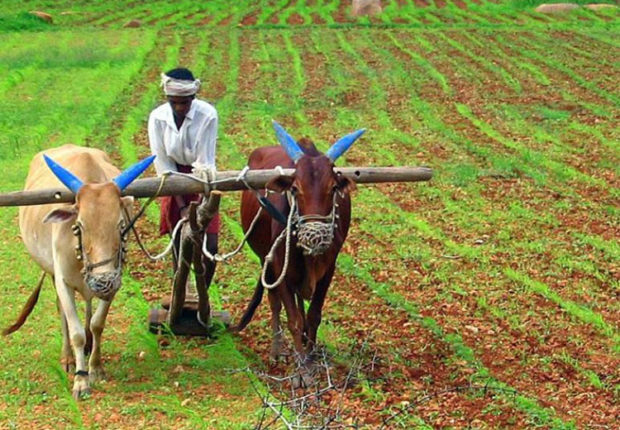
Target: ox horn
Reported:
[(66, 177), (288, 143), (344, 143), (128, 175)]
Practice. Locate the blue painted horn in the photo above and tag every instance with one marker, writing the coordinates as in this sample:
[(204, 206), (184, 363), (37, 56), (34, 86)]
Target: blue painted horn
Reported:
[(288, 143), (344, 143), (131, 173), (65, 176)]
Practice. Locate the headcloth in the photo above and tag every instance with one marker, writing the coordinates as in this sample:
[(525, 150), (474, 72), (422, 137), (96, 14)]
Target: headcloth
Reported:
[(179, 87)]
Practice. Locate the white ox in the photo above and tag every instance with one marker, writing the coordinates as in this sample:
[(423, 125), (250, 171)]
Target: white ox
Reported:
[(80, 245)]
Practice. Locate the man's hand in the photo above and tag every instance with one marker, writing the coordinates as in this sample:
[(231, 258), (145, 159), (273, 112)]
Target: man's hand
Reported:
[(206, 173)]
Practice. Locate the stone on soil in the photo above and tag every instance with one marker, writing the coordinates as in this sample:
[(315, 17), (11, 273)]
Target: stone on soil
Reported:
[(556, 7), (365, 7), (43, 15)]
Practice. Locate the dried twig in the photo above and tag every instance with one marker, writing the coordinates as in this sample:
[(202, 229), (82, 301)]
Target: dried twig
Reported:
[(322, 405)]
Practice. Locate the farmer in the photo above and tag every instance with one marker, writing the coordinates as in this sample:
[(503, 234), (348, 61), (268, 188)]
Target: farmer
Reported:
[(183, 134)]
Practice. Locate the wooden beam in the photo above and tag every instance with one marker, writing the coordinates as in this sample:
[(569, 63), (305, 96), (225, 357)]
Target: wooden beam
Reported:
[(226, 181)]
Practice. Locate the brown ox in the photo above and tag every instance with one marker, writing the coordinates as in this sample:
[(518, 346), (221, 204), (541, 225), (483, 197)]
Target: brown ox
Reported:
[(80, 245), (320, 222)]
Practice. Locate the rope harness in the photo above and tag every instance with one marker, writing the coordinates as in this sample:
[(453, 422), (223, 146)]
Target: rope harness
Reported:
[(315, 233)]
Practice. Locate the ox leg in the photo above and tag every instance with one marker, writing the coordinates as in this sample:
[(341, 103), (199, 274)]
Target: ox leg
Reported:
[(66, 356), (77, 336), (276, 327), (97, 324), (302, 310), (89, 335), (316, 309), (296, 327)]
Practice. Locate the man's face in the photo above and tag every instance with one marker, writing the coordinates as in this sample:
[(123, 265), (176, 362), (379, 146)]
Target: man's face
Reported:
[(180, 105)]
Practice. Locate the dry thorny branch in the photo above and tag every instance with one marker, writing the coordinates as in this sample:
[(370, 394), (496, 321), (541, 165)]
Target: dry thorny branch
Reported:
[(321, 406)]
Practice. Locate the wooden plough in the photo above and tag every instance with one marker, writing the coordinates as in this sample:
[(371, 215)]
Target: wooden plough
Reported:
[(191, 317)]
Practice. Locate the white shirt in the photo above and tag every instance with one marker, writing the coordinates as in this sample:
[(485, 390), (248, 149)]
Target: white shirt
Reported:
[(193, 144)]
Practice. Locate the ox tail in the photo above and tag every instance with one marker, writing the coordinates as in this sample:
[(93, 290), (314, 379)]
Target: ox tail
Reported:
[(249, 312), (28, 307)]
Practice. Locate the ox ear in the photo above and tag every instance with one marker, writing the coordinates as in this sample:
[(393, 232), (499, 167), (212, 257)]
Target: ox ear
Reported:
[(344, 184), (61, 215), (280, 184), (127, 203)]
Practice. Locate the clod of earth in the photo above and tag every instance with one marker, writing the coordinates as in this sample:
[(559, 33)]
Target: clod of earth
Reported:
[(599, 6), (556, 7), (366, 7), (134, 23), (43, 15)]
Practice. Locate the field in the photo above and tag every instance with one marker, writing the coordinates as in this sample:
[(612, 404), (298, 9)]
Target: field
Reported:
[(485, 298)]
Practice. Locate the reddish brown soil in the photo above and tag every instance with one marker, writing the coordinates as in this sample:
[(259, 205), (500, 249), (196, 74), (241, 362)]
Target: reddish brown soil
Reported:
[(226, 21), (249, 19), (411, 360), (343, 12), (496, 192), (295, 19), (205, 21), (385, 335), (160, 19), (317, 20), (573, 390)]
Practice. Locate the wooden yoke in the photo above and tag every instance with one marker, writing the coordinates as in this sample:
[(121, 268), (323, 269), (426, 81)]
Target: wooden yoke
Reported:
[(192, 236)]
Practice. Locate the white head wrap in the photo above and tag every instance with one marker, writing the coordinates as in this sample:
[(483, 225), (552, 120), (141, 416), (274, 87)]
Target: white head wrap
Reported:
[(179, 87)]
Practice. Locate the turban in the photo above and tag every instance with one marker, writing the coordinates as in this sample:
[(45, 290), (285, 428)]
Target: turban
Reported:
[(179, 87)]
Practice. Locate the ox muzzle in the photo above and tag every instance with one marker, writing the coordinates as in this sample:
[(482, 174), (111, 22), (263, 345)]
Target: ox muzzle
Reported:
[(315, 233), (104, 285)]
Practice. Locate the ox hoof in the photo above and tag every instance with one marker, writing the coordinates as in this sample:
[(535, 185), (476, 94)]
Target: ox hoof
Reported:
[(81, 390), (96, 374), (276, 355), (303, 379)]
